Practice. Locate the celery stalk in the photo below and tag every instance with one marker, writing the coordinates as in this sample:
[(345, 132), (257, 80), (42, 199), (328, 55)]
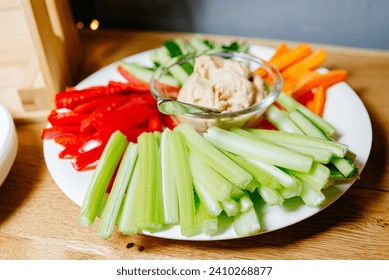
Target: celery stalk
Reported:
[(259, 174), (207, 199), (128, 222), (264, 151), (219, 186), (206, 223), (281, 120), (270, 196), (317, 177), (290, 104), (230, 207), (306, 125), (247, 223), (184, 181), (148, 217), (245, 202), (337, 149), (312, 197), (119, 187), (320, 155), (169, 188), (236, 192), (287, 193), (223, 165), (101, 177)]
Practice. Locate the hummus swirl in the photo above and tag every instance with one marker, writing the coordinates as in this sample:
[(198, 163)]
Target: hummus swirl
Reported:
[(222, 84)]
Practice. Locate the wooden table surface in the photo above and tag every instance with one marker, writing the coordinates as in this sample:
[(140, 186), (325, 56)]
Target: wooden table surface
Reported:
[(37, 220)]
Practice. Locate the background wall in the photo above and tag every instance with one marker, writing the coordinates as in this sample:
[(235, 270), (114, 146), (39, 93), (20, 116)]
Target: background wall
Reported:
[(359, 23)]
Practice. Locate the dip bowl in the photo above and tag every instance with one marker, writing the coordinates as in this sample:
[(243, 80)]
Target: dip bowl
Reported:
[(201, 120)]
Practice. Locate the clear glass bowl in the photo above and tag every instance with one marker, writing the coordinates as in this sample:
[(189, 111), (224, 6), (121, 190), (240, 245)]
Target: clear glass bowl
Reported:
[(248, 117)]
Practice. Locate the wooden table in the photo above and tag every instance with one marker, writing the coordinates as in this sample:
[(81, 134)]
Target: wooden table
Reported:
[(37, 221)]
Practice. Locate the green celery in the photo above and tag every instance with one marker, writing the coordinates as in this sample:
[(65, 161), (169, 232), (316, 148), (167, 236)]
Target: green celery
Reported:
[(282, 177), (236, 192), (246, 223), (306, 125), (119, 187), (219, 186), (128, 220), (287, 193), (337, 149), (317, 177), (281, 120), (245, 202), (101, 177), (270, 196), (319, 154), (169, 187), (290, 104), (207, 199), (259, 174), (345, 167), (184, 181), (231, 207), (264, 151), (205, 222), (210, 154), (312, 197), (148, 211)]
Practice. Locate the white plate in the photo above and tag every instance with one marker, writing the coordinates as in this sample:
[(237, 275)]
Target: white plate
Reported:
[(343, 109), (8, 143)]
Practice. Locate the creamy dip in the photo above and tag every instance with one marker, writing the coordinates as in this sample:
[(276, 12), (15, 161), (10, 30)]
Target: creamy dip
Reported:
[(222, 84)]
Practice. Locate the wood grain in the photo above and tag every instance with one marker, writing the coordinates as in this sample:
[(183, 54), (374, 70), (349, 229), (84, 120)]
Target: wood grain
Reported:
[(37, 221)]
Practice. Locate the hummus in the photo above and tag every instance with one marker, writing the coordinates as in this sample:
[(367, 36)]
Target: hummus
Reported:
[(222, 84)]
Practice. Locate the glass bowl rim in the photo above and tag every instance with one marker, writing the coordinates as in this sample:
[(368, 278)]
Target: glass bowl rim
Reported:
[(264, 103)]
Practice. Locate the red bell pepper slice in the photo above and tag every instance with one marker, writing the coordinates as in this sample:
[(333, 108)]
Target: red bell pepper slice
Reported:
[(56, 131), (65, 118), (155, 123), (168, 121), (84, 159)]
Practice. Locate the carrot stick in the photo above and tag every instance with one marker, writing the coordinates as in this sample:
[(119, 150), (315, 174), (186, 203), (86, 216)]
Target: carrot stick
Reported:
[(319, 100), (299, 78), (287, 59), (310, 62), (279, 51), (326, 80)]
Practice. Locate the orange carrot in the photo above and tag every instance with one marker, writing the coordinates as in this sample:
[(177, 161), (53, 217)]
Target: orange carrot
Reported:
[(294, 81), (290, 57), (319, 100), (326, 80), (310, 62), (279, 51)]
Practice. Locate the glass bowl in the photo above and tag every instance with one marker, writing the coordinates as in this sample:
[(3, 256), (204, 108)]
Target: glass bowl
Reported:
[(249, 117)]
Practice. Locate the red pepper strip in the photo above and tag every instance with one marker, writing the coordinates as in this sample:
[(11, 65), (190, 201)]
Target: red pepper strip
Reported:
[(88, 123), (305, 97), (84, 159), (168, 121), (88, 107), (67, 139), (56, 131), (133, 133), (72, 150), (130, 86), (71, 99), (125, 119), (155, 123), (65, 118)]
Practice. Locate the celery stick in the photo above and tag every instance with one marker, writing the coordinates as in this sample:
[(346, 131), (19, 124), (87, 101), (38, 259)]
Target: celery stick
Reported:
[(119, 187), (290, 104), (236, 192), (230, 207), (169, 188), (319, 154), (219, 186), (317, 177), (247, 223), (183, 178), (264, 151), (223, 165), (245, 202), (259, 174), (253, 185), (207, 199), (281, 120), (282, 177), (159, 212), (312, 197), (337, 149), (148, 218), (345, 167), (206, 223), (128, 221), (270, 196), (101, 178), (306, 125), (287, 193)]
